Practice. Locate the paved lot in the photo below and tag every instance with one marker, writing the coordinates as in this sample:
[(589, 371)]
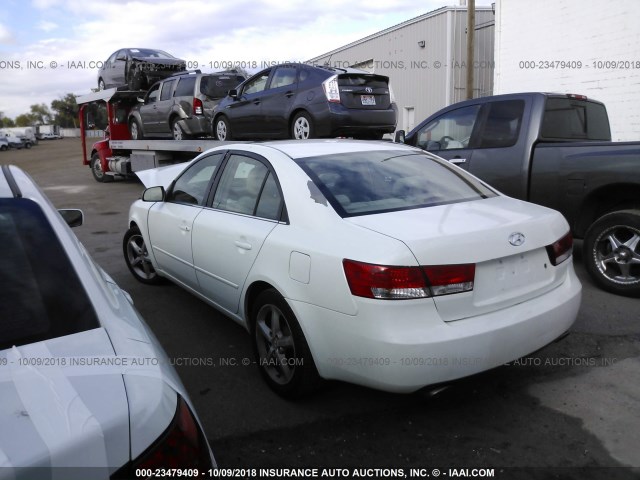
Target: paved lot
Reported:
[(571, 410)]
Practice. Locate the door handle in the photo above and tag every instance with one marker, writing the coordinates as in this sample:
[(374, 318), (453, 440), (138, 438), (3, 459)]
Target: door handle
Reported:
[(256, 101), (289, 94), (458, 160), (242, 245), (185, 228)]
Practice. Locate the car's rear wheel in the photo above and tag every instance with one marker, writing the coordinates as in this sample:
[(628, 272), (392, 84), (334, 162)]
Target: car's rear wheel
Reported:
[(302, 127), (281, 349), (611, 252), (135, 130), (96, 170), (222, 129), (136, 256), (176, 130)]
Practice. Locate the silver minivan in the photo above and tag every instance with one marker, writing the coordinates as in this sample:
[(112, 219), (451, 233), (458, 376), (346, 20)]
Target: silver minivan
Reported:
[(181, 106)]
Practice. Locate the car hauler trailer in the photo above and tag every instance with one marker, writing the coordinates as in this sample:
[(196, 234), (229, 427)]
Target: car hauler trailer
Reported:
[(116, 155)]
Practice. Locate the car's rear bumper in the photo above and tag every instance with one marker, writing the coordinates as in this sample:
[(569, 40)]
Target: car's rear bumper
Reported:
[(337, 120), (402, 346)]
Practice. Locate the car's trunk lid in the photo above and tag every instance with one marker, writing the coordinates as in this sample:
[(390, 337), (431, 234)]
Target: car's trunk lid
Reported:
[(478, 232), (366, 91)]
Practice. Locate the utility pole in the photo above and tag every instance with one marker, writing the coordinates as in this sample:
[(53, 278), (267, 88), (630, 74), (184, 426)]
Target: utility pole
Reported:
[(471, 29)]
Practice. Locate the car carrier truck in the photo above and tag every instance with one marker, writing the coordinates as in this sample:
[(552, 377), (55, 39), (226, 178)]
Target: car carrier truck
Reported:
[(116, 155)]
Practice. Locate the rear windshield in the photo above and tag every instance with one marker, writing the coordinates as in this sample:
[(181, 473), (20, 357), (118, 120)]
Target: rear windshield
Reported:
[(363, 183), (573, 119), (41, 296), (215, 86), (362, 80)]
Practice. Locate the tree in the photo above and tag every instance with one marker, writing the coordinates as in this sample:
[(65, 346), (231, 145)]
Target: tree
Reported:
[(40, 113), (25, 120), (6, 122), (66, 111)]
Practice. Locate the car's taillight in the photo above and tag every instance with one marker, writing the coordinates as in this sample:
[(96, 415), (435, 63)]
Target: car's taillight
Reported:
[(561, 250), (182, 445), (401, 283), (331, 90), (197, 106)]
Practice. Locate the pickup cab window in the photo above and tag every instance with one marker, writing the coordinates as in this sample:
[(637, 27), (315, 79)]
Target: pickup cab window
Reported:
[(574, 119), (451, 130), (502, 125)]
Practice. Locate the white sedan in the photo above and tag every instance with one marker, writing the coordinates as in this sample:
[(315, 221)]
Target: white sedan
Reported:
[(86, 391), (368, 262)]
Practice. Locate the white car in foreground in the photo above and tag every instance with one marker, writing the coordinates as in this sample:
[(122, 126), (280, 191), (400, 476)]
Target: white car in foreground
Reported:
[(86, 391), (368, 262)]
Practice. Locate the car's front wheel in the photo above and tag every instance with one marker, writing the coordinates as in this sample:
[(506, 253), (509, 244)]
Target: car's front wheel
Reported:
[(101, 85), (281, 349), (302, 127), (137, 258), (611, 252), (222, 129), (96, 170), (135, 130)]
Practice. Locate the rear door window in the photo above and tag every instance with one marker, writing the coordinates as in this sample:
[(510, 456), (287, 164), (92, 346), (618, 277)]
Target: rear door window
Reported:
[(502, 124), (41, 295), (185, 87)]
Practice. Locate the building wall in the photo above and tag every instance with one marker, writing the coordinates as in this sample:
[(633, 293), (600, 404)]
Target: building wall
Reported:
[(424, 79), (597, 34)]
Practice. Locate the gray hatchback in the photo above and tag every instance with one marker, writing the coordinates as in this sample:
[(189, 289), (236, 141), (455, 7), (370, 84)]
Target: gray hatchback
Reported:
[(181, 106)]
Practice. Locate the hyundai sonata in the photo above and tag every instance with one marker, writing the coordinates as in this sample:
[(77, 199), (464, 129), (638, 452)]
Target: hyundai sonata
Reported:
[(369, 262)]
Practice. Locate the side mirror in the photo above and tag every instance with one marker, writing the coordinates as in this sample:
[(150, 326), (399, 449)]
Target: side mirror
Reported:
[(153, 194), (433, 146), (400, 136), (233, 93), (140, 100), (73, 217)]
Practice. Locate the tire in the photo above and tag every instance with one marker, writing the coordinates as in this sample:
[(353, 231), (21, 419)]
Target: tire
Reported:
[(27, 145), (611, 252), (282, 353), (3, 148), (222, 129), (177, 132), (135, 130), (101, 85), (96, 170), (137, 259), (302, 127)]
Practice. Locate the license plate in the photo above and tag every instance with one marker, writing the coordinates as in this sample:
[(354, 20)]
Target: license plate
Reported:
[(368, 99)]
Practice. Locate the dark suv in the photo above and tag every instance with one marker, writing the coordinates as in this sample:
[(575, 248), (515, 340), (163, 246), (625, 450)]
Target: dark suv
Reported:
[(302, 101), (181, 106)]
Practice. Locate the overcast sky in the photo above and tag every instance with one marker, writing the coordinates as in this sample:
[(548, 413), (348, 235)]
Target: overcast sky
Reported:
[(70, 34)]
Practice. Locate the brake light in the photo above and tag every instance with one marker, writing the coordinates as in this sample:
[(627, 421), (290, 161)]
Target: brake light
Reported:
[(197, 106), (561, 250), (576, 97), (402, 283), (331, 90), (182, 445), (447, 279)]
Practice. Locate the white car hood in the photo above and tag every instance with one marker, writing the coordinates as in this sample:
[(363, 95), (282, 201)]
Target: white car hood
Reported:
[(163, 176), (54, 415)]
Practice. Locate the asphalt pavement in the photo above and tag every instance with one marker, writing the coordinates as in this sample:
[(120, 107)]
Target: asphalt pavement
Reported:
[(571, 410)]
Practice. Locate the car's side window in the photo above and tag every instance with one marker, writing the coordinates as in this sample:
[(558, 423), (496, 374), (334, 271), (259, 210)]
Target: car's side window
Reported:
[(283, 76), (502, 126), (185, 87), (152, 95), (247, 187), (166, 90), (449, 131), (112, 58), (257, 84), (191, 187)]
